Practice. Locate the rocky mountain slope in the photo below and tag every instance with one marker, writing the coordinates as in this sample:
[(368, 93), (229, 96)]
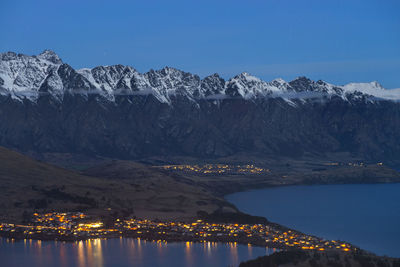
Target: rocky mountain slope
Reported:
[(115, 111)]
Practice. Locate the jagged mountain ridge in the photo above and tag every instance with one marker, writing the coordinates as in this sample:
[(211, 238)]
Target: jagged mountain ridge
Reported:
[(29, 77), (115, 111)]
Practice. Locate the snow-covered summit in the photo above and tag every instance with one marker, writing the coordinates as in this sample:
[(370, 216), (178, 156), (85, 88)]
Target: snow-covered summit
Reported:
[(23, 76), (372, 87), (50, 56)]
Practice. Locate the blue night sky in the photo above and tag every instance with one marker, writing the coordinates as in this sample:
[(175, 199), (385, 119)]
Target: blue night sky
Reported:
[(336, 41)]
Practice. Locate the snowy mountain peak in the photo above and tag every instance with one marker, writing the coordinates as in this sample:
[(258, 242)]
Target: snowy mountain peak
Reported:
[(371, 86), (8, 55), (213, 85), (279, 81), (51, 56), (280, 84), (246, 86), (302, 83), (377, 85), (168, 70), (247, 76)]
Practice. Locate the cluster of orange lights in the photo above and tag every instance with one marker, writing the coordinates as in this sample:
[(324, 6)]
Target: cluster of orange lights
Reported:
[(79, 224), (217, 168)]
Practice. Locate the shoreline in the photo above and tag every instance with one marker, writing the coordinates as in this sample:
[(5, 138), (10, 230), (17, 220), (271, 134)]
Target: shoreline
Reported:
[(381, 254), (271, 235), (219, 187), (152, 237)]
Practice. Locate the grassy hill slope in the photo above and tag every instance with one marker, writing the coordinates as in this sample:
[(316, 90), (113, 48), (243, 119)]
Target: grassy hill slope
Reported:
[(27, 185)]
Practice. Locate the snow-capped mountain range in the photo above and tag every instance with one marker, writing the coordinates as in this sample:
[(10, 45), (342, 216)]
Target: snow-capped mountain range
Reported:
[(29, 77), (46, 106)]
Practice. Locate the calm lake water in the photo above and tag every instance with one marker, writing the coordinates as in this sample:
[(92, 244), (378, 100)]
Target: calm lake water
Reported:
[(124, 252), (365, 215)]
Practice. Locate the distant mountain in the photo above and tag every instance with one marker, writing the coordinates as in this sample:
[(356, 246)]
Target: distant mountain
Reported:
[(115, 111)]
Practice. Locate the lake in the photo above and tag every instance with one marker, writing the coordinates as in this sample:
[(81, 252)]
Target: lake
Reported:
[(124, 252), (365, 215)]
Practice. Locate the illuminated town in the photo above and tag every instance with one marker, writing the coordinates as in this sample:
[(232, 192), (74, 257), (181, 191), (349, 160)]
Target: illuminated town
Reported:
[(78, 226), (216, 169), (249, 169)]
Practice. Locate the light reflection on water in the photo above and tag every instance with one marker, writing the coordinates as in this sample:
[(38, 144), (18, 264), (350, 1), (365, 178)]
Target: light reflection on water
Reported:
[(124, 252)]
